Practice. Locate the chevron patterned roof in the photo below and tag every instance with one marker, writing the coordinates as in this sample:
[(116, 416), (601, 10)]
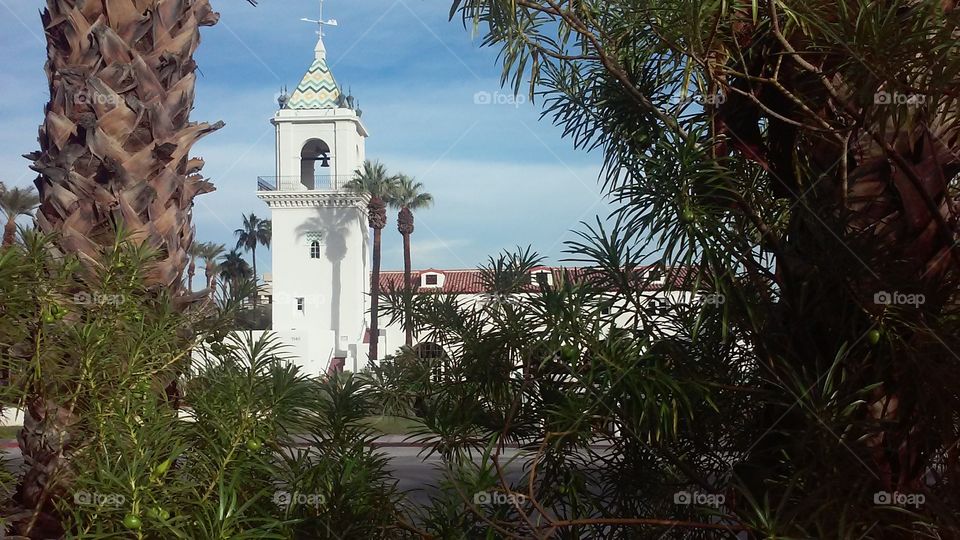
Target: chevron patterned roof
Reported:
[(317, 90)]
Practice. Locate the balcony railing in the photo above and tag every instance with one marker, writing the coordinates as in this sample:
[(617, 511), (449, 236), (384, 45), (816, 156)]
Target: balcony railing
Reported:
[(300, 183)]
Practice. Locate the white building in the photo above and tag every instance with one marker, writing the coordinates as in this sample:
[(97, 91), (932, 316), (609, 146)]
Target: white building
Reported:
[(319, 286), (320, 235)]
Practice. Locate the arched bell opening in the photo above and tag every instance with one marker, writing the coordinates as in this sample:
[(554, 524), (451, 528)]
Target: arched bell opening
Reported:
[(314, 164)]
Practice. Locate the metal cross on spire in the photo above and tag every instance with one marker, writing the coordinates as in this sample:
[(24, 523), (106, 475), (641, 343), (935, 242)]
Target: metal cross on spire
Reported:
[(321, 22)]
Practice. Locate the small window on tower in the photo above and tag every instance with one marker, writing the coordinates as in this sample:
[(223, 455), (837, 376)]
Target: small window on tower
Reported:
[(300, 303), (315, 249), (430, 279)]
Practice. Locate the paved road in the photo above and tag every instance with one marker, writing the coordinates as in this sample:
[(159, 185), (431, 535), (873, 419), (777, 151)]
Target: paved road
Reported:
[(419, 476), (415, 473)]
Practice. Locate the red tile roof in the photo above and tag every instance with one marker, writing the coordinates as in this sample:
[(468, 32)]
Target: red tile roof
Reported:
[(471, 281)]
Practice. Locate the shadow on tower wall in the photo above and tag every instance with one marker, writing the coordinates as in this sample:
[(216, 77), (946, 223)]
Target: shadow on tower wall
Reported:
[(333, 225)]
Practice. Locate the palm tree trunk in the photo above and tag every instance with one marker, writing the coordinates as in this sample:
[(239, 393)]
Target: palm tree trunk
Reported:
[(375, 296), (191, 271), (134, 140), (407, 289), (211, 275), (256, 279), (9, 232)]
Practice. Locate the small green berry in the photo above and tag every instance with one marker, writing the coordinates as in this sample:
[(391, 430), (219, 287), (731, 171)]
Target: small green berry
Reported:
[(687, 216), (253, 445), (874, 336), (158, 513), (132, 522)]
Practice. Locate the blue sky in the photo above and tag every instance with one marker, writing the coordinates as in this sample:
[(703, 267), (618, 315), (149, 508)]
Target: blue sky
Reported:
[(501, 176)]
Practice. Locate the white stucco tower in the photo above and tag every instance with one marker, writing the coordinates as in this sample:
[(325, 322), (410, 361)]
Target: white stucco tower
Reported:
[(320, 234)]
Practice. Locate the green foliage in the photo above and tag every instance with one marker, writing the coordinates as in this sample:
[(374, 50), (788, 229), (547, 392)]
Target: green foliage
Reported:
[(752, 146), (338, 484), (100, 353)]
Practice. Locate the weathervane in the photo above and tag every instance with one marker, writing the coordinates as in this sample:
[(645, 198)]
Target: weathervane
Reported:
[(321, 22)]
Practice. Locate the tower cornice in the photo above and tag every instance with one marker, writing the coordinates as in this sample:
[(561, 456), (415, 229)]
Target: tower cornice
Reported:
[(313, 199), (312, 116)]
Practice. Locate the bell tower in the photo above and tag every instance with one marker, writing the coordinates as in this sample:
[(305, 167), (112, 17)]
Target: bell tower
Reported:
[(320, 234)]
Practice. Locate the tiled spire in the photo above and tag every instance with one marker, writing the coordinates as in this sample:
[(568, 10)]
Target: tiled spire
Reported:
[(318, 89)]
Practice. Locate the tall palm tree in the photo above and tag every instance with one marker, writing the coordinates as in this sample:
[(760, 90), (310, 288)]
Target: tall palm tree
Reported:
[(373, 181), (255, 231), (114, 149), (234, 269), (210, 252), (16, 202), (407, 196), (115, 144)]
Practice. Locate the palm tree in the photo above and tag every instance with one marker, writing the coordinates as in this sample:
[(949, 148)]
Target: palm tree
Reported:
[(16, 202), (114, 150), (373, 181), (255, 231), (408, 196), (210, 253), (128, 143), (234, 269)]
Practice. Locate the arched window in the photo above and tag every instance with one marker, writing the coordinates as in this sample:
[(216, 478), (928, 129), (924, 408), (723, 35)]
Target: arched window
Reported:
[(315, 249), (314, 156)]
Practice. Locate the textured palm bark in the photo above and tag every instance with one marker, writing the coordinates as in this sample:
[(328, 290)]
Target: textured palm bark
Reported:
[(405, 225), (886, 187), (115, 143), (114, 154), (9, 232), (210, 272), (377, 216)]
